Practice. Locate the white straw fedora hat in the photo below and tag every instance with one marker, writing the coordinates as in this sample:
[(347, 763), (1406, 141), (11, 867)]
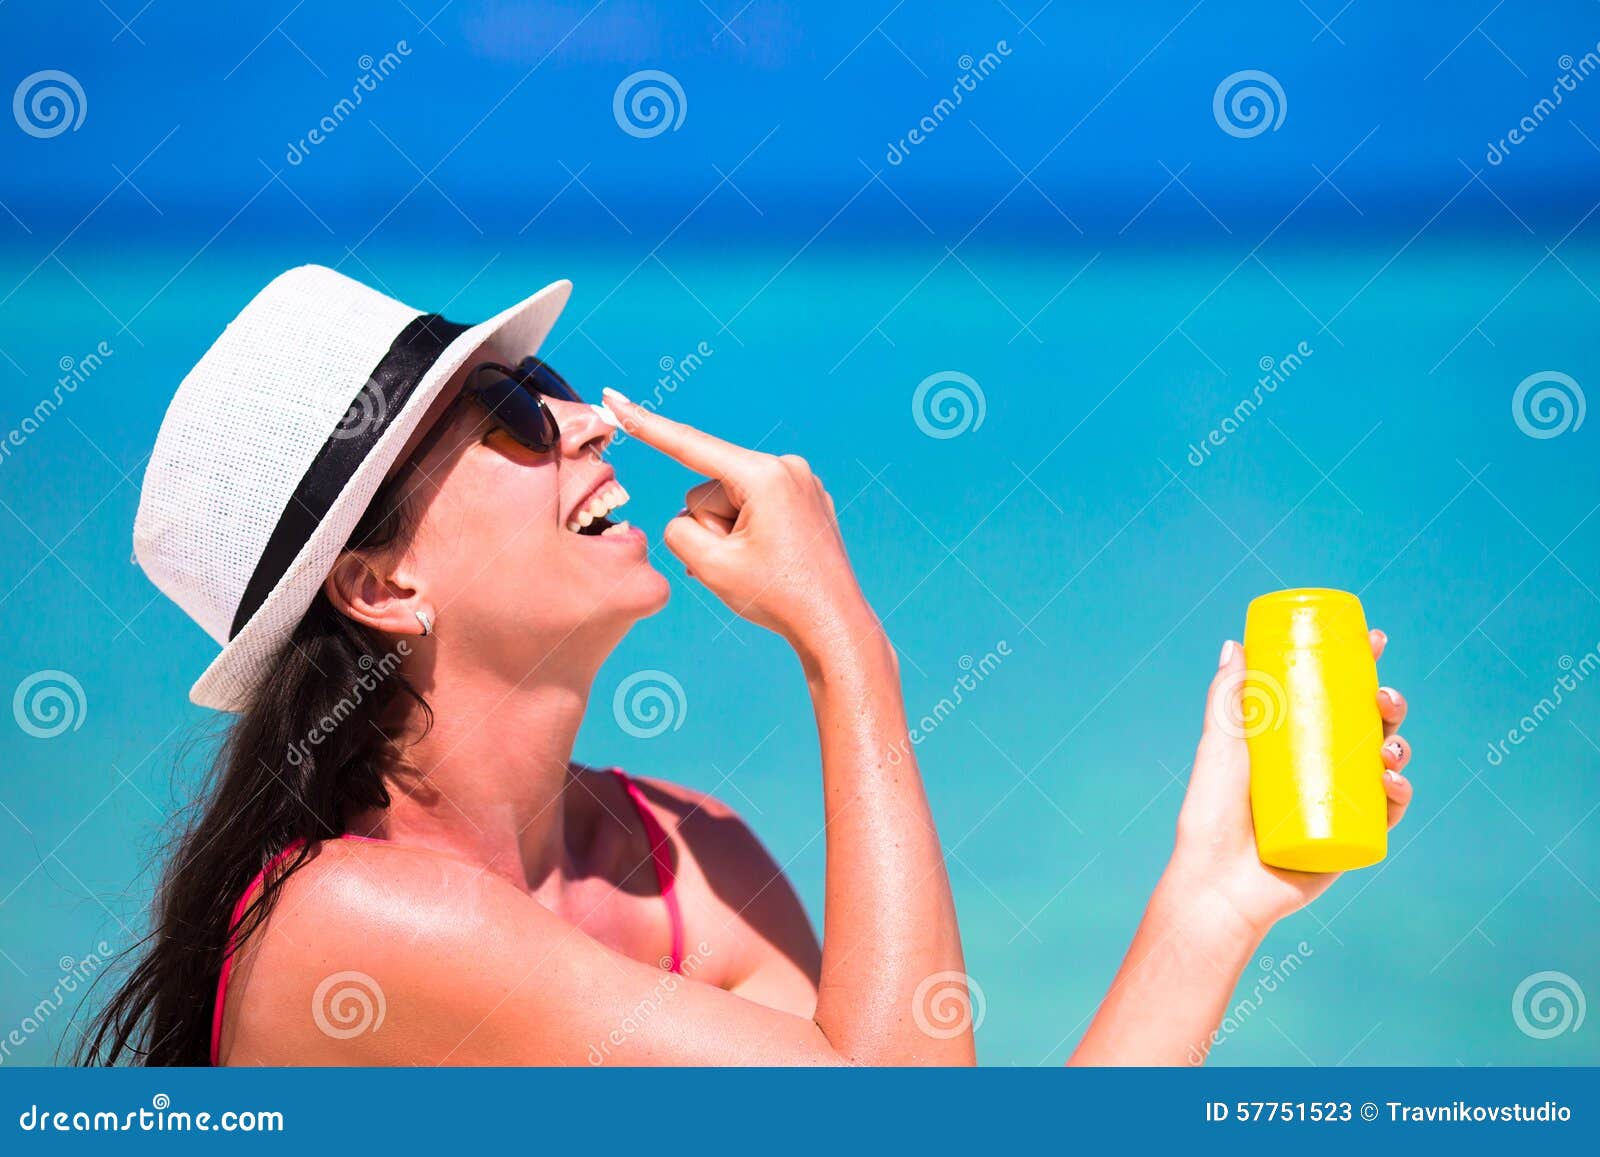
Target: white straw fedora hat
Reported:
[(275, 444)]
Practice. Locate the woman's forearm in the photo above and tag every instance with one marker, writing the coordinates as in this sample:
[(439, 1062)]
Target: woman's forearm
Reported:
[(1174, 984), (889, 924)]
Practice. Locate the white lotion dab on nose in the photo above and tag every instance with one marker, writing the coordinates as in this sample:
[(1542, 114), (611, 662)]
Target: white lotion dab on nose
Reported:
[(606, 415)]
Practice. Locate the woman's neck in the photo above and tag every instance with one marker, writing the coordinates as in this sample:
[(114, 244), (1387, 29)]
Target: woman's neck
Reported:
[(487, 781)]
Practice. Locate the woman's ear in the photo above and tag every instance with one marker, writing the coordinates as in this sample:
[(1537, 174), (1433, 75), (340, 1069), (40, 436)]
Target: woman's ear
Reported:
[(383, 603)]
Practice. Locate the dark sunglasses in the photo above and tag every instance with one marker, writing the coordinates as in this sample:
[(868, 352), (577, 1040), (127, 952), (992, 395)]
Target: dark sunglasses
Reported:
[(516, 399)]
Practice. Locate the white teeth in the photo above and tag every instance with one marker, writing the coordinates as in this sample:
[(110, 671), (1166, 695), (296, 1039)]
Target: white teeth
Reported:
[(604, 502), (615, 528)]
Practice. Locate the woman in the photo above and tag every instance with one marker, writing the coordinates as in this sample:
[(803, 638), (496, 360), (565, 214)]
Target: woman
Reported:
[(398, 861)]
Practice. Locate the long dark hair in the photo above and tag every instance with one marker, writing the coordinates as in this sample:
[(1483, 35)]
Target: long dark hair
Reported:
[(271, 785)]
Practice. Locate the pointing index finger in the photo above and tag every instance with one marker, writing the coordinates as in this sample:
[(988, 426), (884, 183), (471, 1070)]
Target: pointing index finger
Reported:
[(705, 453)]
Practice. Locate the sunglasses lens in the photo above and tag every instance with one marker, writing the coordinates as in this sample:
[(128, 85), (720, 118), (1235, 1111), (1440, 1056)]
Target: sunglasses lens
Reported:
[(549, 383), (515, 408)]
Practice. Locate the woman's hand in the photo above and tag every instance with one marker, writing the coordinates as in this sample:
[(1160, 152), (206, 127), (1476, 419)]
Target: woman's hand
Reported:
[(1216, 899), (760, 533), (1216, 847)]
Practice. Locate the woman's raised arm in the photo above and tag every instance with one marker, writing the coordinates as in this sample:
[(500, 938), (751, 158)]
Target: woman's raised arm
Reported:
[(761, 534)]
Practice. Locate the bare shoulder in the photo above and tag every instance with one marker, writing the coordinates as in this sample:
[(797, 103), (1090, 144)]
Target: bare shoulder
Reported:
[(372, 936)]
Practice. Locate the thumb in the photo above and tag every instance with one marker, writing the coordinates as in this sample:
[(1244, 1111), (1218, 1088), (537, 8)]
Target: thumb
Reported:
[(698, 547), (1222, 759)]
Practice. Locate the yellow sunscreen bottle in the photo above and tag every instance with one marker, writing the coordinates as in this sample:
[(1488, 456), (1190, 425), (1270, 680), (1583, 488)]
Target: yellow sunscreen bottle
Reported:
[(1315, 737)]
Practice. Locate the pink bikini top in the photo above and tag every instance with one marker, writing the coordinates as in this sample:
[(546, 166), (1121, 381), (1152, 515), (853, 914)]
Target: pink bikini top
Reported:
[(660, 856)]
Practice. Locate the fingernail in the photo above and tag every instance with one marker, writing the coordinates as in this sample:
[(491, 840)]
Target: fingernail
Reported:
[(1395, 748), (681, 513), (1391, 777), (1227, 653), (606, 415), (616, 395)]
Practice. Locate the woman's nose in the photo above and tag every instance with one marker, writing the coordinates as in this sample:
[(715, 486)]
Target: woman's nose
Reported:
[(582, 427)]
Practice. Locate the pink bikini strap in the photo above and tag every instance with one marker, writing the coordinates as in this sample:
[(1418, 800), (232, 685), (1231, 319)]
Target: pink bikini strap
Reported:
[(233, 926), (661, 856), (239, 910)]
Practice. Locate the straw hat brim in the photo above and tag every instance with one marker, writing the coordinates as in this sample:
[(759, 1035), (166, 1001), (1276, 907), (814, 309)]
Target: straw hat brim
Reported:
[(234, 677)]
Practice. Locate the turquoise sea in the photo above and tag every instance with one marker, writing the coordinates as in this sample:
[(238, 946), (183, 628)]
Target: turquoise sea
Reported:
[(1065, 554)]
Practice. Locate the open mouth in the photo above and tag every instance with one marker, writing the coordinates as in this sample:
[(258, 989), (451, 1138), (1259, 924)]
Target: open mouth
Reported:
[(592, 518)]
